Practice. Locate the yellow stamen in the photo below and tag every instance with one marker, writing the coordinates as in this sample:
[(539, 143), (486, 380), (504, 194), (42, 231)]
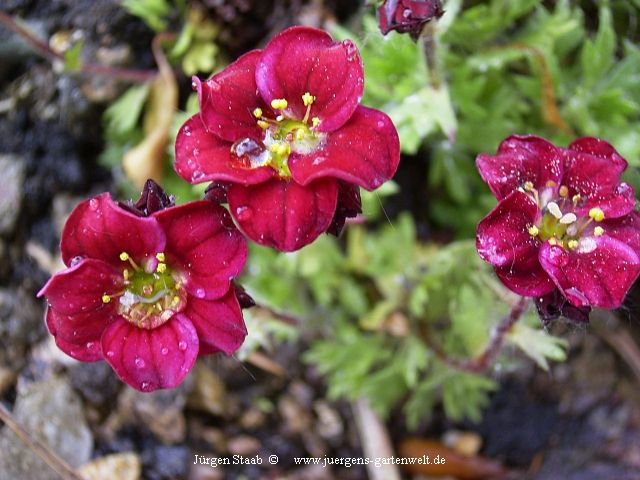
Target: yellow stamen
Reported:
[(575, 199), (124, 256), (161, 268), (279, 103), (597, 214), (528, 186), (564, 191), (308, 99), (262, 124), (106, 298), (160, 256), (315, 121), (553, 241), (283, 149), (551, 184), (257, 113), (274, 147), (572, 244), (598, 231), (175, 301), (125, 274), (533, 231)]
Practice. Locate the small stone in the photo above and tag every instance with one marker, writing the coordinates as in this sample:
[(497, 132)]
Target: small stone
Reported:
[(464, 443), (7, 379), (13, 170), (244, 445), (209, 393), (52, 412), (252, 419), (329, 424), (123, 466)]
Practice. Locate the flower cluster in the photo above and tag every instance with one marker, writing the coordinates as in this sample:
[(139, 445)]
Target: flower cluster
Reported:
[(282, 136), (564, 230), (408, 16), (148, 286)]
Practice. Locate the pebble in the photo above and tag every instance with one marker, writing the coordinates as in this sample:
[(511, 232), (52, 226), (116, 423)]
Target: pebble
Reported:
[(13, 170)]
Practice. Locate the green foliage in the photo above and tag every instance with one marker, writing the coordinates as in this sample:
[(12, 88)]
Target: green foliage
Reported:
[(153, 12), (501, 67), (384, 309), (72, 60)]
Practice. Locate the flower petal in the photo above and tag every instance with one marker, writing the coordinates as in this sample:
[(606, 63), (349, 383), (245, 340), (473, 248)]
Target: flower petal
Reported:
[(283, 214), (365, 151), (626, 229), (228, 99), (202, 157), (303, 60), (349, 205), (219, 323), (598, 273), (600, 148), (521, 159), (596, 178), (86, 351), (504, 241), (203, 241), (78, 290), (554, 305), (151, 359), (98, 228)]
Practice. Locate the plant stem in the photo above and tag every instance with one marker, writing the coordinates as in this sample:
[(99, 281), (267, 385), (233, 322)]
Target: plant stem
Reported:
[(89, 68), (429, 44), (43, 451), (483, 361)]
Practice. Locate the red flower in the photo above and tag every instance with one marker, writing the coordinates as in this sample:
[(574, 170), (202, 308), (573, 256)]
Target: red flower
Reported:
[(281, 133), (148, 294), (408, 16), (564, 221)]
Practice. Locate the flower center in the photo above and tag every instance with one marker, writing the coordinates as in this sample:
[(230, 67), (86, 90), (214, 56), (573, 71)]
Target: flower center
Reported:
[(282, 136), (560, 224), (149, 299)]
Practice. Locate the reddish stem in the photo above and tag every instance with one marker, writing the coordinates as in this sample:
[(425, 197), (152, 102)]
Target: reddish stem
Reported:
[(43, 49)]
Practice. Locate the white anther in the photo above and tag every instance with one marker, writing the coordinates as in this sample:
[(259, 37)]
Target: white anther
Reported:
[(554, 210), (568, 218)]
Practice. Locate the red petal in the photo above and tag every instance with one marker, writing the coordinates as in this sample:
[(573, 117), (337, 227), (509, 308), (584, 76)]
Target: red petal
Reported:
[(283, 214), (78, 290), (599, 277), (151, 359), (87, 351), (303, 59), (228, 99), (365, 151), (600, 148), (596, 178), (99, 228), (521, 159), (626, 229), (531, 282), (204, 243), (503, 238), (203, 157), (219, 323)]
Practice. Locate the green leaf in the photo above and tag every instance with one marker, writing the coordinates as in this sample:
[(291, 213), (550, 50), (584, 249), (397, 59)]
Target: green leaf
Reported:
[(538, 344), (152, 12), (72, 60), (123, 115)]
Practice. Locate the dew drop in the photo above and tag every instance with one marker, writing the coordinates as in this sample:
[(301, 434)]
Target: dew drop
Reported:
[(352, 50), (140, 362), (381, 124), (406, 13), (196, 175), (249, 153), (318, 160), (186, 130), (111, 353), (194, 85), (93, 204), (164, 350), (243, 213), (200, 292), (213, 85), (196, 152), (182, 345), (76, 260), (90, 345), (145, 386)]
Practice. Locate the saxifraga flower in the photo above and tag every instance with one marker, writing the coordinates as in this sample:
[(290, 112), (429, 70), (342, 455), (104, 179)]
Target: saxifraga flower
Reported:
[(148, 287), (284, 139), (564, 222)]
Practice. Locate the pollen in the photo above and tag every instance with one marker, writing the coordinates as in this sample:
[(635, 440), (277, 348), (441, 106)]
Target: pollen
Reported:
[(564, 191), (572, 244), (528, 186), (575, 199), (597, 214), (279, 103), (257, 113), (161, 268), (124, 256), (160, 256), (598, 231), (315, 121), (125, 274), (262, 124), (553, 241), (533, 231), (283, 149), (308, 99), (554, 210), (551, 184), (106, 298)]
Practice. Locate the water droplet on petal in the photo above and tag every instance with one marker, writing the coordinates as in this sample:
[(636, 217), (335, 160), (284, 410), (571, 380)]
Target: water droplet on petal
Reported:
[(318, 160), (145, 386), (352, 50), (90, 345), (140, 363), (164, 350), (249, 153), (406, 13), (93, 204), (196, 175), (381, 124), (196, 152), (182, 345), (76, 260), (111, 353), (200, 292), (243, 213), (213, 85)]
